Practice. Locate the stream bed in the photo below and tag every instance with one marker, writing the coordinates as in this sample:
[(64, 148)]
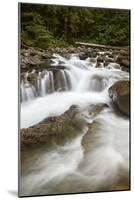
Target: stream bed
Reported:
[(102, 165)]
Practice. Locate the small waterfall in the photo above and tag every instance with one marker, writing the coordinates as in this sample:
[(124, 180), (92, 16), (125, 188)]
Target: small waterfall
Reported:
[(39, 83), (60, 80), (76, 75), (44, 81), (46, 84), (98, 83), (63, 76), (72, 81), (49, 82), (28, 92)]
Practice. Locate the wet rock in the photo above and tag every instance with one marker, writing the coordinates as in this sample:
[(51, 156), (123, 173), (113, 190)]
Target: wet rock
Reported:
[(32, 78), (93, 60), (73, 111), (93, 127), (125, 69), (94, 110), (87, 142), (106, 63), (87, 52), (23, 67), (124, 52), (57, 67), (108, 59), (125, 63), (83, 55), (53, 130), (101, 58), (111, 56), (92, 54), (72, 50), (98, 65), (45, 55), (32, 58), (61, 62), (120, 95), (116, 52), (22, 76), (79, 49), (35, 60), (123, 60)]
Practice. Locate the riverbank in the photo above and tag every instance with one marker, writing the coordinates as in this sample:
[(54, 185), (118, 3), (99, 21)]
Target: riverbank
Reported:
[(39, 59)]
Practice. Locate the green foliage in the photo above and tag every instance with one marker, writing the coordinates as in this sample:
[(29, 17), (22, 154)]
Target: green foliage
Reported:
[(50, 26), (35, 33)]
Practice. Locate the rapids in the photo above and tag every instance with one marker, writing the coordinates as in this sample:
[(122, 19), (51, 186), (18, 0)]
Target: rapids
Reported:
[(67, 169), (88, 85)]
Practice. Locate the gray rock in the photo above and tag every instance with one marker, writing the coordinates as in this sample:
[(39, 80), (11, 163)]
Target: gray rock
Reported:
[(120, 95)]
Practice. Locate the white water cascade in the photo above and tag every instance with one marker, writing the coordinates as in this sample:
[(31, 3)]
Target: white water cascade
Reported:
[(77, 75), (82, 84), (66, 169)]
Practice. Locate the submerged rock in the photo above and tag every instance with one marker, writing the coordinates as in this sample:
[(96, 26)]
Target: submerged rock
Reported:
[(93, 126), (120, 95), (87, 141)]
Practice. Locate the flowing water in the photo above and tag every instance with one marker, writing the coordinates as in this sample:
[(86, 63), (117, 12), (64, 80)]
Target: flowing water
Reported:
[(67, 169)]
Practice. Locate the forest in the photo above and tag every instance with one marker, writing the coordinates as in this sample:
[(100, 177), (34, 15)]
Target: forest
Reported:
[(47, 26)]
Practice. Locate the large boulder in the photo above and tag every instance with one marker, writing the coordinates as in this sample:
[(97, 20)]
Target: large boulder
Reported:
[(53, 130), (120, 94)]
